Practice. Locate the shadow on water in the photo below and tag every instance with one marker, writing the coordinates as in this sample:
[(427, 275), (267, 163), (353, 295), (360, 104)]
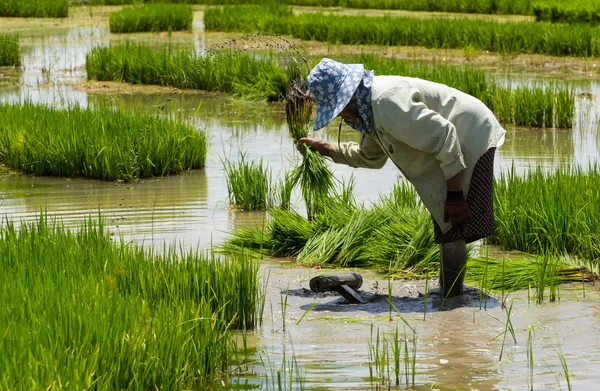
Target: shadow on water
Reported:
[(378, 303)]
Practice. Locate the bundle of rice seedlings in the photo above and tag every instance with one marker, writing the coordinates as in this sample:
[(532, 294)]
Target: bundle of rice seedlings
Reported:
[(298, 105), (521, 274), (316, 181)]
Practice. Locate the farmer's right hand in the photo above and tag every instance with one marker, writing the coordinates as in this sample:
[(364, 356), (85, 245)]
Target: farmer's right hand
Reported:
[(320, 146)]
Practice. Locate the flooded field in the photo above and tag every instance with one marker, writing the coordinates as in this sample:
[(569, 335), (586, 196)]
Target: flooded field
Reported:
[(458, 343)]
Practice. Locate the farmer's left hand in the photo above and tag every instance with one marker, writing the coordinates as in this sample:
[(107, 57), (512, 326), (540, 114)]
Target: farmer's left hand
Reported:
[(457, 212)]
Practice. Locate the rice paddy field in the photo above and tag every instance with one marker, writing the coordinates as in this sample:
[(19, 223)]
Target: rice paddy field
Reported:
[(157, 231)]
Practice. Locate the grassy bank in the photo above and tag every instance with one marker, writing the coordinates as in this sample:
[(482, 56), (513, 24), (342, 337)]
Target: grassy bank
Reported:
[(82, 310), (535, 38), (34, 8), (103, 144), (152, 17), (264, 78), (10, 50), (557, 212), (241, 74)]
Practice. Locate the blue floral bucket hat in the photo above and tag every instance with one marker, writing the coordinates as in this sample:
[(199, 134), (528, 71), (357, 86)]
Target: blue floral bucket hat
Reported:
[(332, 84)]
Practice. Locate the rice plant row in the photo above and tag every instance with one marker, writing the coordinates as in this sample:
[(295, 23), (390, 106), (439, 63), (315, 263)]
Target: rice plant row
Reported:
[(152, 17), (555, 212), (570, 14), (102, 144), (10, 50), (34, 8), (82, 311), (263, 77), (502, 7), (241, 74), (523, 37)]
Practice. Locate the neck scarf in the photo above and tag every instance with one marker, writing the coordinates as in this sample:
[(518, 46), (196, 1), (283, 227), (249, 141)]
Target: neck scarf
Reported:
[(361, 104)]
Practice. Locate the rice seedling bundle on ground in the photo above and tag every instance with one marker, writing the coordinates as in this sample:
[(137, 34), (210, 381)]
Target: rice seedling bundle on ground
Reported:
[(103, 144), (557, 212), (237, 73), (34, 8), (538, 38), (81, 310), (535, 273), (10, 50), (395, 234), (152, 17), (248, 184)]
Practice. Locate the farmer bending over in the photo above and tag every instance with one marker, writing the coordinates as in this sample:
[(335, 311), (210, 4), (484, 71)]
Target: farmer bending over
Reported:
[(442, 140)]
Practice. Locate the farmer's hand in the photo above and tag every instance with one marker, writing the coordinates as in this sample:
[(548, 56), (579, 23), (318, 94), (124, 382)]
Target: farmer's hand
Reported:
[(457, 211), (320, 146)]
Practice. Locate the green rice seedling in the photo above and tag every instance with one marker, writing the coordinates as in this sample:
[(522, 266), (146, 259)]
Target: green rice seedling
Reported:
[(79, 307), (10, 50), (390, 302), (530, 359), (410, 359), (152, 17), (508, 328), (103, 144), (566, 373), (306, 312), (285, 188), (284, 305), (378, 359), (396, 351), (34, 8), (242, 74), (284, 376), (248, 183), (509, 37)]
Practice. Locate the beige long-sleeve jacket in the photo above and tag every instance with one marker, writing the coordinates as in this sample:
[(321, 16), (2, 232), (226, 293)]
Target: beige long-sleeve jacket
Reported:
[(429, 130)]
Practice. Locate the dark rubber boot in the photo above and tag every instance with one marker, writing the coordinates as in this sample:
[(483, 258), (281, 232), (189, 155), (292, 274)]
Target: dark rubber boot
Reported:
[(453, 265)]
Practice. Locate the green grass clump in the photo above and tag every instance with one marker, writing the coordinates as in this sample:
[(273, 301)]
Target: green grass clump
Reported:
[(237, 73), (10, 50), (34, 8), (248, 184), (503, 37), (557, 212), (104, 144), (82, 311), (152, 17)]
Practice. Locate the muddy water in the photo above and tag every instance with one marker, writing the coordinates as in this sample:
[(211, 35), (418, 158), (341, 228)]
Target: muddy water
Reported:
[(456, 348)]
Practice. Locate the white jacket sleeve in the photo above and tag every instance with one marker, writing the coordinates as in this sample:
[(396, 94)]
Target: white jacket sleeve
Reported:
[(367, 154), (405, 116)]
